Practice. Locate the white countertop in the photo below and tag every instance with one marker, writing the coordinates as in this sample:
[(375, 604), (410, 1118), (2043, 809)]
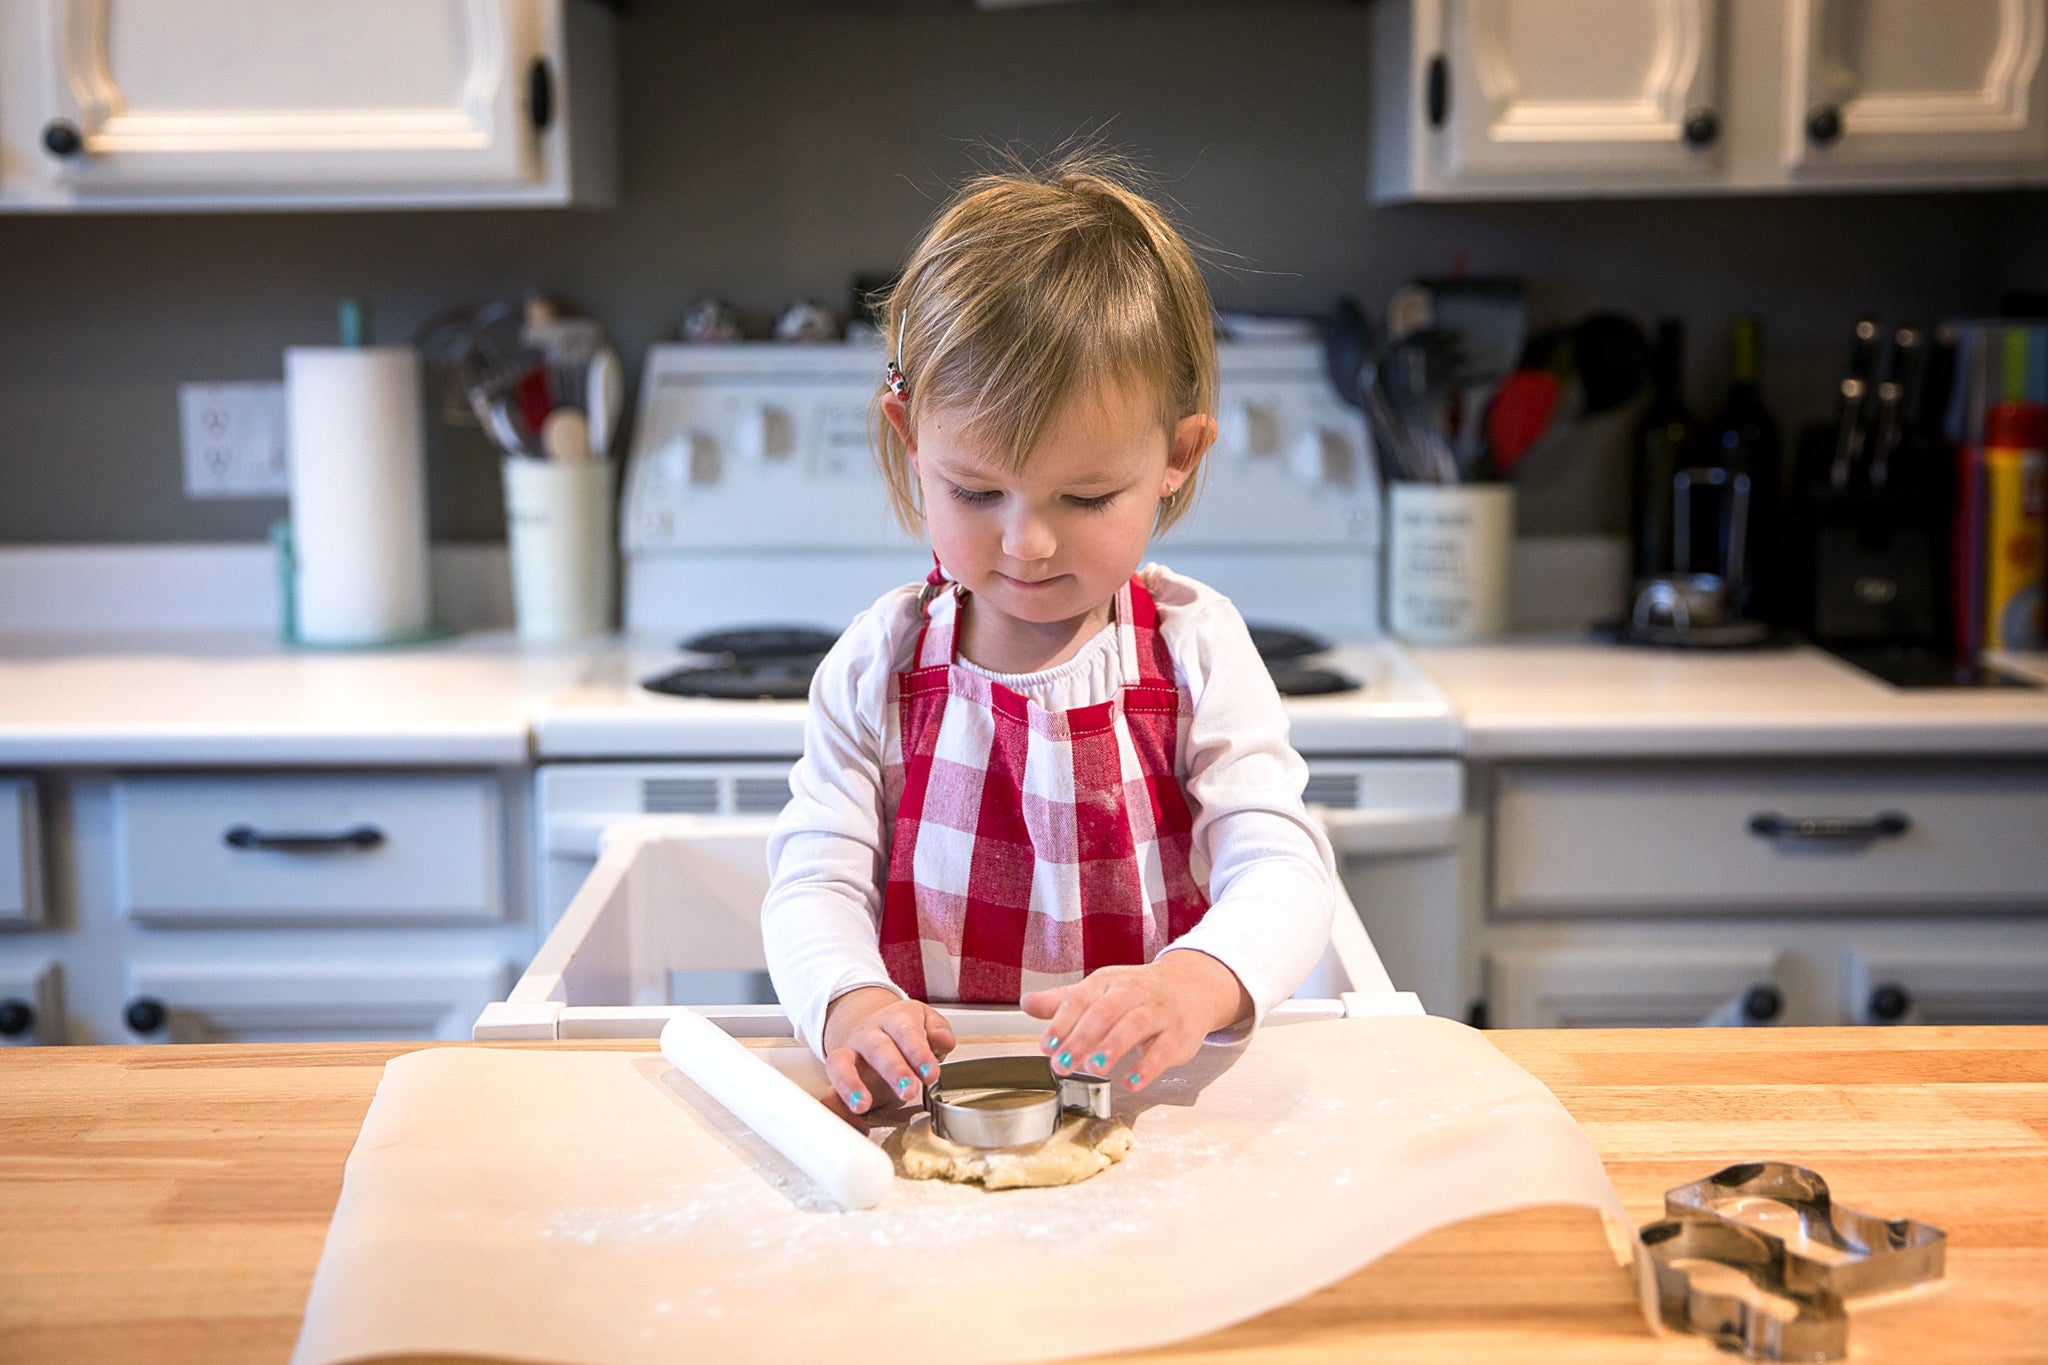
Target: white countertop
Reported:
[(95, 700), (87, 700), (1575, 698)]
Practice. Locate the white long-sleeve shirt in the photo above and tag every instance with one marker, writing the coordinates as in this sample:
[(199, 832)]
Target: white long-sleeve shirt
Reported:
[(1266, 863)]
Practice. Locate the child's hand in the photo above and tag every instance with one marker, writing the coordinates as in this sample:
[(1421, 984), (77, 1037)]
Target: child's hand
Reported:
[(1165, 1007), (877, 1043)]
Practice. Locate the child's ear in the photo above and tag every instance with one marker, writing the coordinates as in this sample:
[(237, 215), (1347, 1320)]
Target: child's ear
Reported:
[(897, 410), (1192, 437)]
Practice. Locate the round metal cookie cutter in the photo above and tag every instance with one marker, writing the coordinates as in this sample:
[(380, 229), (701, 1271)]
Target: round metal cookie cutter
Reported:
[(1009, 1101)]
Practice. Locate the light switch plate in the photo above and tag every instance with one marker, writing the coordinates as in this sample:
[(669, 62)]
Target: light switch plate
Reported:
[(233, 436)]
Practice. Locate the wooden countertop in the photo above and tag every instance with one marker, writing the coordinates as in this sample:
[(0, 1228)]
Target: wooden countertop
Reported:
[(168, 1204)]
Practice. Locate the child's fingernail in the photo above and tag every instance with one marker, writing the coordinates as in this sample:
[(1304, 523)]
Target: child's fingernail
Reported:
[(1133, 1079), (1099, 1060), (1066, 1059), (903, 1085), (854, 1099), (925, 1070), (1051, 1043)]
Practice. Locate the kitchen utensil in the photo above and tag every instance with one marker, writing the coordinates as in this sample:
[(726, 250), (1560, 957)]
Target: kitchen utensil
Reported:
[(1852, 434), (1858, 1253), (605, 386), (1519, 415), (1680, 1249), (1009, 1101), (845, 1164), (1777, 1224), (1345, 340), (565, 436)]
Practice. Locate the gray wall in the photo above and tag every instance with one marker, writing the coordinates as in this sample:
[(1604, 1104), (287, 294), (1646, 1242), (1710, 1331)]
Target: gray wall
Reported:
[(771, 154)]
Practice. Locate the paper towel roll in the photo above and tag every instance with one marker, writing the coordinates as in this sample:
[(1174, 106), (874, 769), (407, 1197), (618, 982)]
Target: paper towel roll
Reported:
[(359, 506)]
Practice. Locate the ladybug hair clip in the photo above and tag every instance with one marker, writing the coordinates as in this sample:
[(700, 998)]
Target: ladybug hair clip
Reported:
[(900, 386)]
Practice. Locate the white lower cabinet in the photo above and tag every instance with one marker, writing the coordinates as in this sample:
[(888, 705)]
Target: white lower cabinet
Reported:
[(1655, 894), (272, 906), (308, 1001)]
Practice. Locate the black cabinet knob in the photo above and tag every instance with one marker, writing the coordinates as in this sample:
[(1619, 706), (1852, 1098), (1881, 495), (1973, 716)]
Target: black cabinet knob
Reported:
[(1824, 123), (1761, 1004), (1889, 1002), (540, 95), (62, 138), (1702, 126), (1436, 96), (145, 1014), (16, 1018)]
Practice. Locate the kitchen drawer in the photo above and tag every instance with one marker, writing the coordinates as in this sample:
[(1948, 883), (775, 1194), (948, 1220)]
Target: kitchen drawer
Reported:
[(1728, 837), (1672, 986), (2005, 985), (309, 849), (21, 860), (360, 1000)]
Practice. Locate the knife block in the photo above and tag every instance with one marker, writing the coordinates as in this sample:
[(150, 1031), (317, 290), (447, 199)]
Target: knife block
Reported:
[(1870, 566)]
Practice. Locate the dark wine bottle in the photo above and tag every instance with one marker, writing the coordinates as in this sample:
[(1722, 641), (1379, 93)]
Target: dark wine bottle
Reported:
[(1667, 438), (1742, 439)]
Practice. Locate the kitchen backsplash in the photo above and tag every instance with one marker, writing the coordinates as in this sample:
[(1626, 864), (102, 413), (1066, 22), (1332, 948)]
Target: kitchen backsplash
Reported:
[(775, 156)]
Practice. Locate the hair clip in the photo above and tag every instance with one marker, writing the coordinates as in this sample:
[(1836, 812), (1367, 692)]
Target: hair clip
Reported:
[(897, 382)]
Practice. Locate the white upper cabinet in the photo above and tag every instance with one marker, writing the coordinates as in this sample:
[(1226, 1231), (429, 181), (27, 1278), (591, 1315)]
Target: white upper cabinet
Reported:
[(1571, 98), (1909, 83), (1530, 88), (255, 103)]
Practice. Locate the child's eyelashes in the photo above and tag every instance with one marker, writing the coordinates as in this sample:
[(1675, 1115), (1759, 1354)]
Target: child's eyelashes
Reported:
[(973, 497), (1094, 504)]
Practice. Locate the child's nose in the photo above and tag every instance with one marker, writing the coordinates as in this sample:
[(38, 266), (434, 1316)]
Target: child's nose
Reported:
[(1027, 537)]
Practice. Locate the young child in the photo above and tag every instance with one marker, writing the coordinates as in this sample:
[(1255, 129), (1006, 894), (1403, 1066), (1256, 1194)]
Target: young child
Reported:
[(1044, 777)]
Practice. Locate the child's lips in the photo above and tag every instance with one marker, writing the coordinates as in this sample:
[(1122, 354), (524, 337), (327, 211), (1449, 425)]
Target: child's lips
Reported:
[(1030, 584)]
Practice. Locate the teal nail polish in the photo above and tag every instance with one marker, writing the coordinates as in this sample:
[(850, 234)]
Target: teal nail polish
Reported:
[(854, 1100), (1066, 1059), (1051, 1043), (925, 1070), (1134, 1078), (1099, 1061), (903, 1085)]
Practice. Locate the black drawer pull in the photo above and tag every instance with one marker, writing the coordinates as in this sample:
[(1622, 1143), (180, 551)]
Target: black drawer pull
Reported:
[(362, 836), (1828, 829), (16, 1018)]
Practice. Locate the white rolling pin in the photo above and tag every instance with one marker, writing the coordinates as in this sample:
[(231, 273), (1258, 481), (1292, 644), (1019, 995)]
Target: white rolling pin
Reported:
[(853, 1170)]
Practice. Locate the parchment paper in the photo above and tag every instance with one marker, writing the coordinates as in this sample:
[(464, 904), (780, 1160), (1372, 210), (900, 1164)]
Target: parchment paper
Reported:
[(595, 1208)]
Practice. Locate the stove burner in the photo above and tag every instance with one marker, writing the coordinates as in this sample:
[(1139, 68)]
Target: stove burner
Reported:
[(786, 679), (763, 642), (1296, 681), (1277, 644)]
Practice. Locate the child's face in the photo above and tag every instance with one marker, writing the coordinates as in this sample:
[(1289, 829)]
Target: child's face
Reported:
[(1053, 542)]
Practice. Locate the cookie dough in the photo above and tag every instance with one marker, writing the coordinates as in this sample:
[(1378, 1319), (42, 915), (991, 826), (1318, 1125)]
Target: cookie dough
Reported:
[(1080, 1147)]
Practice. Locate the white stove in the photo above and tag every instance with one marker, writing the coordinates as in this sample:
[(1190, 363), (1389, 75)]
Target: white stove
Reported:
[(751, 500)]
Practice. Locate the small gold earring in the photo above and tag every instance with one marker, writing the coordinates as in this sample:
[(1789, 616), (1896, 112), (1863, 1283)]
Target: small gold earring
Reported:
[(1167, 501)]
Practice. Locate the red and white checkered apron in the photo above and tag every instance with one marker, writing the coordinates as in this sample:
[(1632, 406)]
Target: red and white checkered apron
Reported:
[(1030, 847)]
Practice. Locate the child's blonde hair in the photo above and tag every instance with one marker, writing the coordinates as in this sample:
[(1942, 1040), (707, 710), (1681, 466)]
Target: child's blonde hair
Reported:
[(1031, 288)]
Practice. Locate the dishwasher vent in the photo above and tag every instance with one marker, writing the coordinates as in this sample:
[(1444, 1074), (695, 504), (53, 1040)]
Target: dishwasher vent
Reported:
[(1331, 789), (760, 795), (679, 796)]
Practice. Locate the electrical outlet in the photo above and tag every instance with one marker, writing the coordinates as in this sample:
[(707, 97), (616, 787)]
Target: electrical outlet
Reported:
[(233, 436)]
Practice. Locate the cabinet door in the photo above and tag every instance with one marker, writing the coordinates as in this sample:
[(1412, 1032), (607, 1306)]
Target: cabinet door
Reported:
[(1646, 987), (1873, 83), (21, 860), (297, 1002), (1949, 986), (180, 95), (1602, 90)]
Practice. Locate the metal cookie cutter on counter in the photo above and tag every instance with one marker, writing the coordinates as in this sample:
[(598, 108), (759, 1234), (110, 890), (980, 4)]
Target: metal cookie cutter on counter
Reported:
[(1009, 1101), (1776, 1224)]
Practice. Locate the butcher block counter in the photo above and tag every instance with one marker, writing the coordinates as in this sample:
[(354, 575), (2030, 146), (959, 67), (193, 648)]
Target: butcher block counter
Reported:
[(168, 1204)]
